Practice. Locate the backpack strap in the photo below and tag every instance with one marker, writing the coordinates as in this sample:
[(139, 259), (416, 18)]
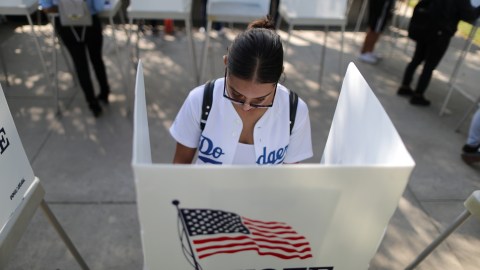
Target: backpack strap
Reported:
[(208, 99), (293, 108), (207, 102)]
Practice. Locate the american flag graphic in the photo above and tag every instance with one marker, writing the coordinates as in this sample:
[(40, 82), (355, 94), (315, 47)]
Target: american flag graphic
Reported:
[(215, 232)]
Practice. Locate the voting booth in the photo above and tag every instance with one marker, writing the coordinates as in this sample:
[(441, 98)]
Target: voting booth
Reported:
[(21, 193), (330, 215)]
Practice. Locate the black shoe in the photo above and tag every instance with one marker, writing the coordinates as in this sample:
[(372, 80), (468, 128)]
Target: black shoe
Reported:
[(419, 100), (405, 91), (471, 148), (470, 158), (96, 109), (103, 99)]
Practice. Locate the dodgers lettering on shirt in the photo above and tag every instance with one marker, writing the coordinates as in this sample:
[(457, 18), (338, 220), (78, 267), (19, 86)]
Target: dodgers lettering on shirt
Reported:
[(208, 152), (273, 157)]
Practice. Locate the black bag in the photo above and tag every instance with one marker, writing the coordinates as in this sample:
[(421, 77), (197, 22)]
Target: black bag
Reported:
[(422, 23)]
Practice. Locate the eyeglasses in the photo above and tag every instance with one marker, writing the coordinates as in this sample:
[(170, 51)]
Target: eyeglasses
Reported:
[(240, 99)]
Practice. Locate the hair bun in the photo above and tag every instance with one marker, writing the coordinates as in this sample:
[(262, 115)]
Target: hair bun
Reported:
[(265, 23)]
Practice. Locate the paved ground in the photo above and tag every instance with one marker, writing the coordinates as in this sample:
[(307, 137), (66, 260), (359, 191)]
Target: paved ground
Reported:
[(84, 163)]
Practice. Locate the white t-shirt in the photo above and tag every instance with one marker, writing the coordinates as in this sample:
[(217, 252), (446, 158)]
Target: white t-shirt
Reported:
[(217, 144), (244, 154)]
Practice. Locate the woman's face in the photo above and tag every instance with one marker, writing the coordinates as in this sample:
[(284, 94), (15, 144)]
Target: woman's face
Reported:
[(249, 94)]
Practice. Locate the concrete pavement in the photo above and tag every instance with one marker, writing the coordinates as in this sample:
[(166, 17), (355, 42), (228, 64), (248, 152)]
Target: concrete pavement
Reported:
[(84, 163)]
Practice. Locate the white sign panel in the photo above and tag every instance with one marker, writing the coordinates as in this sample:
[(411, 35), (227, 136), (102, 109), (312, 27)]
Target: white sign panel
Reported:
[(302, 217), (16, 174)]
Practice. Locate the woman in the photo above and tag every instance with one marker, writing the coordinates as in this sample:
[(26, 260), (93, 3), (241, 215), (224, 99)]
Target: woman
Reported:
[(430, 49), (78, 40), (249, 118)]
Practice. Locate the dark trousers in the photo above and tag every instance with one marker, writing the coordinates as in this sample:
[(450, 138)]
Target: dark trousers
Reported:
[(430, 51), (92, 43)]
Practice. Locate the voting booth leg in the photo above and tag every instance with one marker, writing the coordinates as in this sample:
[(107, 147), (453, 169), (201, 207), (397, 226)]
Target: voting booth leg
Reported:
[(465, 116), (55, 67), (459, 221), (118, 56), (360, 20), (63, 235), (322, 60), (203, 63), (340, 57), (472, 205), (188, 29), (37, 44), (458, 64)]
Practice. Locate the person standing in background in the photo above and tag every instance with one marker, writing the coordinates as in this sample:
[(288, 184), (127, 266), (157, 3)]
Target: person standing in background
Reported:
[(92, 41), (378, 13), (430, 49), (471, 150)]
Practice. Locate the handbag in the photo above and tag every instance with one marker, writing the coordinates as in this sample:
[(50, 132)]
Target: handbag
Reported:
[(422, 22), (74, 13)]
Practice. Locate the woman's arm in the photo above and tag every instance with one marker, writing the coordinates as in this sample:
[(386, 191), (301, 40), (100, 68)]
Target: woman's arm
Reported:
[(183, 154)]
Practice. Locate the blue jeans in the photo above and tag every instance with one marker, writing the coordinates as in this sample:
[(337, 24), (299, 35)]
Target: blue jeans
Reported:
[(474, 132)]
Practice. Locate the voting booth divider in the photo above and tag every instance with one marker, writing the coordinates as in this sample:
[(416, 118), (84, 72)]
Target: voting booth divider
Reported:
[(21, 193), (330, 215)]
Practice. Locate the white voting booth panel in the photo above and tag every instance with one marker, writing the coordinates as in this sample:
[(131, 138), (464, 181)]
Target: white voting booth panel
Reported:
[(13, 183), (20, 192), (361, 131), (305, 216)]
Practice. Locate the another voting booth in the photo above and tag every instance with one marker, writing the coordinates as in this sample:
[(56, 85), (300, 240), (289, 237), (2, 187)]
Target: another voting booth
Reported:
[(330, 215), (21, 193)]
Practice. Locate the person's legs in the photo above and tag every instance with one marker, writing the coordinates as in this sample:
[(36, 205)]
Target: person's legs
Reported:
[(78, 53), (471, 150), (418, 57), (474, 132), (94, 42), (379, 12), (435, 52), (370, 40)]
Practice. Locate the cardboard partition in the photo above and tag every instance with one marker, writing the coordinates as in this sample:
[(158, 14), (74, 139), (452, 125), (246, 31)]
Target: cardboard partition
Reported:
[(16, 174), (361, 131), (306, 216)]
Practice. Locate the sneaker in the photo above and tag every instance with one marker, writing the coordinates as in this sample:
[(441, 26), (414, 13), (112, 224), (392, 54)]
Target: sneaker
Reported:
[(470, 154), (471, 149), (379, 57), (405, 91), (419, 100), (368, 58)]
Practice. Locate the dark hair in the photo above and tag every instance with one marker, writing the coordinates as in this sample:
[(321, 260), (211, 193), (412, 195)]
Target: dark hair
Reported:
[(257, 53)]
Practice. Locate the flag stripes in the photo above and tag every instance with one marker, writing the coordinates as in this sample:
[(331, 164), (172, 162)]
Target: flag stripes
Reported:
[(233, 234)]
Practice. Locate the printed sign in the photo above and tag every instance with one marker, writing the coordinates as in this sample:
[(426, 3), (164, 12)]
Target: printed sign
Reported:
[(16, 174), (296, 217)]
